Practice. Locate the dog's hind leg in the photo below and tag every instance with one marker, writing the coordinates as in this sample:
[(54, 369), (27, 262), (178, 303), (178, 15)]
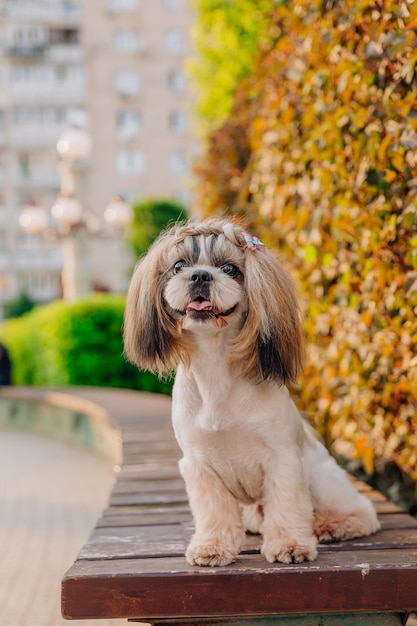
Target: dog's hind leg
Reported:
[(340, 511), (219, 532)]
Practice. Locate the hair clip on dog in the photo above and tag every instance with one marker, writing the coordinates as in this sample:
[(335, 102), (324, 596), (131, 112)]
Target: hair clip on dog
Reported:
[(252, 243)]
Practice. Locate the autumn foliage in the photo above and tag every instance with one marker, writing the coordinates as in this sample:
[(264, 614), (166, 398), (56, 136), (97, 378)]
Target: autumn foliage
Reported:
[(319, 153)]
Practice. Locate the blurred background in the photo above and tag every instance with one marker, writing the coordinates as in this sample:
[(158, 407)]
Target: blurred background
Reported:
[(118, 117), (110, 71)]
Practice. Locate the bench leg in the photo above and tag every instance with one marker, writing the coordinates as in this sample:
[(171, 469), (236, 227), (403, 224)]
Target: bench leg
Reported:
[(349, 619)]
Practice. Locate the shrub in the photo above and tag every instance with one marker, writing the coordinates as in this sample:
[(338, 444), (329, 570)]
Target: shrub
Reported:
[(21, 305), (326, 174), (74, 344), (150, 217)]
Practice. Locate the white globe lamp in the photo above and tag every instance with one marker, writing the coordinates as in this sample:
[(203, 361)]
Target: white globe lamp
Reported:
[(67, 211), (74, 144), (118, 213), (33, 219)]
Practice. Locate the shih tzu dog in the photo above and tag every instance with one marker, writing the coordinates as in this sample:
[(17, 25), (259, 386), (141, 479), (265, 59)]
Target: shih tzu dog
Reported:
[(211, 302)]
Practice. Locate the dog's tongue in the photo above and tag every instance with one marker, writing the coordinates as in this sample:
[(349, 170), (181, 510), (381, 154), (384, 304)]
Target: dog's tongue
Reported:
[(198, 305)]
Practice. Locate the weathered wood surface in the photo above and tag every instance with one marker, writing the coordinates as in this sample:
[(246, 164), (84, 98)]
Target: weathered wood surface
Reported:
[(133, 564)]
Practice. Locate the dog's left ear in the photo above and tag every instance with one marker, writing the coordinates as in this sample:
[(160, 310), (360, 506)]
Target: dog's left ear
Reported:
[(270, 344)]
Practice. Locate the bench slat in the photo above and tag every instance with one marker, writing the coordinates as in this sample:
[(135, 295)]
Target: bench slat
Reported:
[(172, 539), (169, 587)]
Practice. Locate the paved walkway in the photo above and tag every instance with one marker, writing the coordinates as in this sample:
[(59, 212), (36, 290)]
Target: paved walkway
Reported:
[(51, 494)]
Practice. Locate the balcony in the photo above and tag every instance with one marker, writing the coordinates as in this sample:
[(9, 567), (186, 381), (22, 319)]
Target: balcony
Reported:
[(26, 51), (34, 136), (45, 11), (50, 92), (39, 178), (38, 258), (65, 53)]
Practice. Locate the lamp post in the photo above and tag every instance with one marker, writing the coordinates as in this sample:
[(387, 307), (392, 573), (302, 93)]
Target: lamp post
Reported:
[(74, 228)]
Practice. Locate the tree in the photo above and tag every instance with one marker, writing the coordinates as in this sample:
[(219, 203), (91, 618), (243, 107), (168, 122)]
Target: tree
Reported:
[(226, 36), (150, 218)]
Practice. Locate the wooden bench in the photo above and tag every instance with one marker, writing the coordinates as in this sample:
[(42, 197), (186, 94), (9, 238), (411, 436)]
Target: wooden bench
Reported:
[(133, 564)]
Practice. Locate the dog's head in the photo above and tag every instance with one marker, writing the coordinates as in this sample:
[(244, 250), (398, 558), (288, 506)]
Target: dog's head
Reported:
[(211, 277)]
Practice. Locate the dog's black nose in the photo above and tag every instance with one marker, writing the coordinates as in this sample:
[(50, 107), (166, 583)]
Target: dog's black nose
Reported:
[(199, 277)]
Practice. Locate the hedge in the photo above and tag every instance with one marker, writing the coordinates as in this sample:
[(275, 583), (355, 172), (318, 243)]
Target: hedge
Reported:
[(74, 344), (320, 155)]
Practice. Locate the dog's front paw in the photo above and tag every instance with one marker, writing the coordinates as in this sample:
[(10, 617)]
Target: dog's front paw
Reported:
[(213, 554), (288, 550)]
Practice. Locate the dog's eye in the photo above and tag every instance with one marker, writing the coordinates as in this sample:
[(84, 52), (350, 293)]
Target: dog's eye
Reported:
[(179, 265), (230, 270)]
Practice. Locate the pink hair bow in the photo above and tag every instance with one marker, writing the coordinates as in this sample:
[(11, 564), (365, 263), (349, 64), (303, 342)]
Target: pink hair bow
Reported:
[(252, 242)]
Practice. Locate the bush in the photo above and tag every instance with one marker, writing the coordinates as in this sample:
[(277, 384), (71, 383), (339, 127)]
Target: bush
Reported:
[(21, 305), (325, 172), (150, 217), (74, 344)]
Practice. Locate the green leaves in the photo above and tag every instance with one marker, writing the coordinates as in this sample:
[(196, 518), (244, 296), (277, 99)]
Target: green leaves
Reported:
[(150, 217), (225, 37), (74, 344)]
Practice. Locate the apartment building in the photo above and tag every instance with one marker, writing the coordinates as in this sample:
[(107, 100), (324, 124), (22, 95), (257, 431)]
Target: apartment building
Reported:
[(115, 67)]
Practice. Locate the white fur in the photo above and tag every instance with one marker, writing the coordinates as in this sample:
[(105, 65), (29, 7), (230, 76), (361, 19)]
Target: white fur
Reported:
[(249, 460), (246, 443)]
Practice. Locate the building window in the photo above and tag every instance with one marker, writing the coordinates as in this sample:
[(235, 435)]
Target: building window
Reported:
[(129, 124), (174, 41), (127, 82), (176, 81), (127, 41), (64, 36), (119, 6), (177, 121), (130, 162), (178, 162)]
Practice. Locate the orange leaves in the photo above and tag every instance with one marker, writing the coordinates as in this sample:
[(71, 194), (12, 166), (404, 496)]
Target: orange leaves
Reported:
[(365, 452), (328, 120)]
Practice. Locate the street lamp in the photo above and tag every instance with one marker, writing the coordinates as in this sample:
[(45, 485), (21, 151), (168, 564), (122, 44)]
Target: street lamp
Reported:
[(74, 225), (33, 219)]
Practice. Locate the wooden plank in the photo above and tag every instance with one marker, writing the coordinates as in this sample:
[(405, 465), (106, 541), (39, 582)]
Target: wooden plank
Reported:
[(140, 445), (140, 515), (149, 471), (156, 588), (172, 516), (171, 539), (147, 498), (349, 619), (146, 509), (397, 520), (387, 507), (172, 485)]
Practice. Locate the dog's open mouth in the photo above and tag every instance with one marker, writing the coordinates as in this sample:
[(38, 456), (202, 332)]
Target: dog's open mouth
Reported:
[(204, 309)]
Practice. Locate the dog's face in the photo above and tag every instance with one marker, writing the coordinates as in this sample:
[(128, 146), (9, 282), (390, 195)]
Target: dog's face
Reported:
[(209, 277), (206, 283)]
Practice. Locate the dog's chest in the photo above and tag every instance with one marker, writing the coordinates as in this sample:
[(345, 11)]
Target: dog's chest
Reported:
[(219, 432)]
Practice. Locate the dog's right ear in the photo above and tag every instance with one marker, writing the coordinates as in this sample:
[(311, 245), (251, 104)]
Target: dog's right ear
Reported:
[(151, 335)]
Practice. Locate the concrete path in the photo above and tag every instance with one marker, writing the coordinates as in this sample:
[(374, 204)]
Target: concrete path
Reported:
[(51, 494)]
